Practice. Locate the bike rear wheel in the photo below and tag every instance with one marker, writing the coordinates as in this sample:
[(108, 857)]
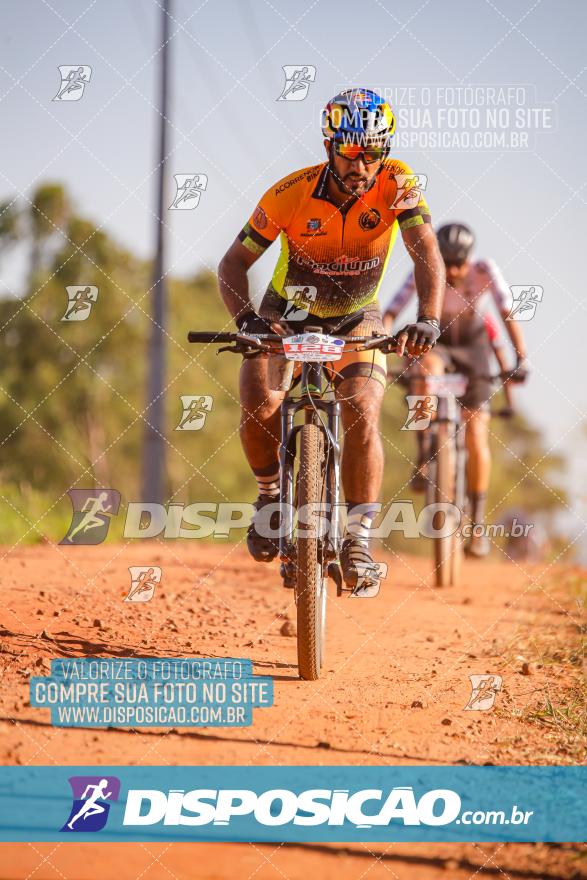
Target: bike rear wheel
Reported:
[(310, 580), (447, 549)]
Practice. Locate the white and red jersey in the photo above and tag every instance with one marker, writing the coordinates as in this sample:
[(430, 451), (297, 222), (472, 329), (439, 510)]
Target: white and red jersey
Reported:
[(465, 303), (492, 330)]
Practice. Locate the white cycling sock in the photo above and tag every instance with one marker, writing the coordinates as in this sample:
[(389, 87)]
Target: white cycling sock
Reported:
[(359, 519), (268, 485)]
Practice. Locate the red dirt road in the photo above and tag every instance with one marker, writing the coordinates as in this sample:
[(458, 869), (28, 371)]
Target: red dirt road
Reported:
[(393, 691)]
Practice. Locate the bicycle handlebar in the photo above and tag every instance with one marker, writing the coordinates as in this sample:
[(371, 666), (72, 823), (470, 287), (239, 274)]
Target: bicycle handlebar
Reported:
[(210, 336), (265, 341), (504, 376)]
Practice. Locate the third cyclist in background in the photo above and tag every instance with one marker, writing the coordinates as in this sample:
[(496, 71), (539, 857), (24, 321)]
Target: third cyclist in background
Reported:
[(464, 346)]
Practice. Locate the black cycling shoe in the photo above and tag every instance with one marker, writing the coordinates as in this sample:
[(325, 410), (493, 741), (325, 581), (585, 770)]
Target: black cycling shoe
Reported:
[(262, 548), (358, 569)]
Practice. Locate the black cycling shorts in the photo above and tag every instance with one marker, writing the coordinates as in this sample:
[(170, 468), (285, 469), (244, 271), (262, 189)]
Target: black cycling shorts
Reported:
[(474, 362)]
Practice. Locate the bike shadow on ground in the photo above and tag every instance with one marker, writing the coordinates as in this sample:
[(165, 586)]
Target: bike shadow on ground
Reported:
[(65, 644), (208, 737)]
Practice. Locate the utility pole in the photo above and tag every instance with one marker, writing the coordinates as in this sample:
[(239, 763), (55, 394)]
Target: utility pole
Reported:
[(154, 450)]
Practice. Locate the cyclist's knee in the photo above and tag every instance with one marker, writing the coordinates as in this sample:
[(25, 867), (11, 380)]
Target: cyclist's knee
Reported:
[(258, 402), (360, 406), (257, 413)]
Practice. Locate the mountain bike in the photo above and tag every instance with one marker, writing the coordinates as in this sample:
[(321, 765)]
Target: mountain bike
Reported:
[(446, 474), (446, 468), (310, 504)]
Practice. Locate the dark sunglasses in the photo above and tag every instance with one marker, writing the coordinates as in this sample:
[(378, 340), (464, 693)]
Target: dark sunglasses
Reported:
[(351, 152)]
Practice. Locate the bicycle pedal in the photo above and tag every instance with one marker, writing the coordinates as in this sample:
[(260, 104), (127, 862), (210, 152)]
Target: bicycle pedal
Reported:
[(334, 572)]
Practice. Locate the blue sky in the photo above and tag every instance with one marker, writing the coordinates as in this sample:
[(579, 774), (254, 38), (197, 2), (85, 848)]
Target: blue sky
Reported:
[(527, 207)]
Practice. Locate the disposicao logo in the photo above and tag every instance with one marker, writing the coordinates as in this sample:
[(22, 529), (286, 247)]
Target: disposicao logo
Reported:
[(90, 808), (282, 806)]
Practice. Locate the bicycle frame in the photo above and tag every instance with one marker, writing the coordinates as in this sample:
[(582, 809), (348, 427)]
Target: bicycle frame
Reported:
[(311, 403)]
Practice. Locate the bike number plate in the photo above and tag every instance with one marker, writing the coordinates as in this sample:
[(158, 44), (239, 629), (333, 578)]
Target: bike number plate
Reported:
[(313, 347), (454, 384)]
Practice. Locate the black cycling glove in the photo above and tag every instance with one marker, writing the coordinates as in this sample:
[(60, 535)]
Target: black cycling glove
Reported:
[(252, 323), (521, 370), (424, 332)]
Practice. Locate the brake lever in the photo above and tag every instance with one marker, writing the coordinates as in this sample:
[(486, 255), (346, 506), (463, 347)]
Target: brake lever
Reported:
[(246, 351)]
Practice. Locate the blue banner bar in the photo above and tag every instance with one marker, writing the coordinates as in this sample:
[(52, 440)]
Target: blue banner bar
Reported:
[(326, 804)]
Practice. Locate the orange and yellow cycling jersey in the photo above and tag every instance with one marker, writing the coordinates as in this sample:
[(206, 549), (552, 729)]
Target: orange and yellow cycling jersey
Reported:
[(332, 260)]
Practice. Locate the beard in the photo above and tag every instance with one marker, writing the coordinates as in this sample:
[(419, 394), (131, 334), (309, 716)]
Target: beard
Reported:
[(355, 184), (351, 184)]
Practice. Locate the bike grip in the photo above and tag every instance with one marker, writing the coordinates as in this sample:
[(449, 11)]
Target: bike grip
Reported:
[(388, 346), (207, 336)]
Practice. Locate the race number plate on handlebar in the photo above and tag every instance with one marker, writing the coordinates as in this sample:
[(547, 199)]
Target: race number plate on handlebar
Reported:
[(454, 384), (313, 347)]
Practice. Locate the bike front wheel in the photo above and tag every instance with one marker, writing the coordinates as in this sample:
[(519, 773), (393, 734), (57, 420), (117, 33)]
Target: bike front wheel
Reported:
[(448, 548), (310, 580)]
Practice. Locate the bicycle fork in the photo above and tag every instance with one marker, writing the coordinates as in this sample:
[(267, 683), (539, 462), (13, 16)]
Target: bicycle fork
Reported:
[(330, 427)]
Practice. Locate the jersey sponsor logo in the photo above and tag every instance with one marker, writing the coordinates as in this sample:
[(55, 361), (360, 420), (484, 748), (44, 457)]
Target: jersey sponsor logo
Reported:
[(369, 219), (313, 226), (260, 217), (341, 266), (313, 174), (287, 183)]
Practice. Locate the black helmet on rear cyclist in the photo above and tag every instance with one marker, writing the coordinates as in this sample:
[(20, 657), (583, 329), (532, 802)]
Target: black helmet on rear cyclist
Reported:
[(456, 242)]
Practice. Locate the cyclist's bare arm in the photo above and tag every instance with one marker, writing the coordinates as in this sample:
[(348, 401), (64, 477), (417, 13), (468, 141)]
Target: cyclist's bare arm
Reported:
[(233, 280), (429, 277), (429, 273), (388, 321), (515, 334)]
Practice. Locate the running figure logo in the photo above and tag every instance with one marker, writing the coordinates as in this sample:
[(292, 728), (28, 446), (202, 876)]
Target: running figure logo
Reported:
[(74, 79), (92, 510), (81, 298), (524, 302), (409, 190), (483, 692), (421, 408), (297, 82), (195, 411), (90, 808), (369, 577), (299, 298), (144, 579), (189, 188)]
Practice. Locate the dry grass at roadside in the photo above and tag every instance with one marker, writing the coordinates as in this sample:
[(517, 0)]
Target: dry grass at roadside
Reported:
[(552, 655)]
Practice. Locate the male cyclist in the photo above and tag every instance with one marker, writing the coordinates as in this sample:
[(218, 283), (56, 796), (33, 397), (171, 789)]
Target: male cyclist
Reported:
[(464, 346), (337, 222)]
